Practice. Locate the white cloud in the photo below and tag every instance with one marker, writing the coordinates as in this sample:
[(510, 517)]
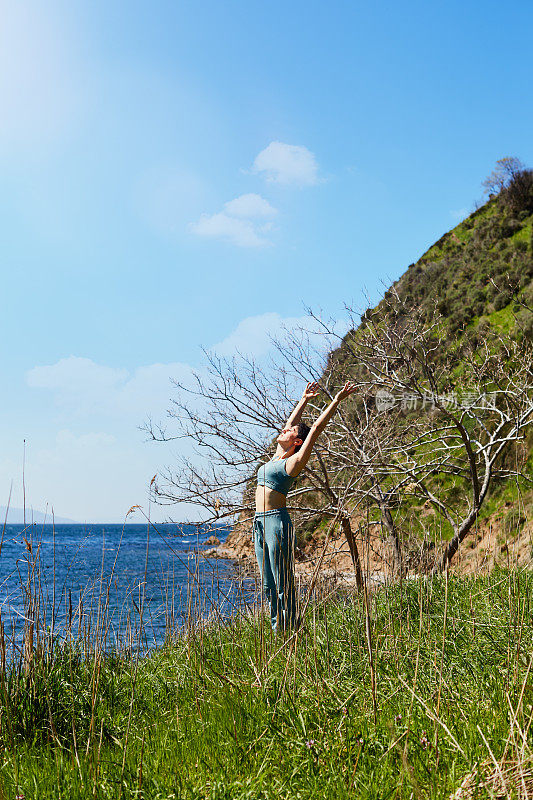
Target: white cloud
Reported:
[(250, 205), (253, 335), (287, 164), (89, 388), (241, 232), (239, 222), (75, 375)]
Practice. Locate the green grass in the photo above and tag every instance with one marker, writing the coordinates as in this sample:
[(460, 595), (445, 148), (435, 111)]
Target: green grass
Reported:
[(523, 235), (229, 712), (503, 320)]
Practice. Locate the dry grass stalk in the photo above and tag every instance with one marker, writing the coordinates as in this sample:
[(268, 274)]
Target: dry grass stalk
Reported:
[(510, 778)]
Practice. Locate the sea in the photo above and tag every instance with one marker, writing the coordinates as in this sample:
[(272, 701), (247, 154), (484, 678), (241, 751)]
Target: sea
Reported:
[(120, 587)]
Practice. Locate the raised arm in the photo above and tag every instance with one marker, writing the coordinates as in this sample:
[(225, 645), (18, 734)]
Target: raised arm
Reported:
[(297, 462), (311, 390)]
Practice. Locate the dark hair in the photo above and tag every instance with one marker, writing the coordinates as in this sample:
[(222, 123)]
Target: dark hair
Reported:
[(303, 430)]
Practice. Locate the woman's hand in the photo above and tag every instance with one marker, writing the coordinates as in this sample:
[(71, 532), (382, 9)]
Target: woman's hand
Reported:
[(348, 389), (311, 390)]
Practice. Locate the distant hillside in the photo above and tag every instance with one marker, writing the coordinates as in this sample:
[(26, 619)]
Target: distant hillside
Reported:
[(15, 516), (477, 276), (478, 271)]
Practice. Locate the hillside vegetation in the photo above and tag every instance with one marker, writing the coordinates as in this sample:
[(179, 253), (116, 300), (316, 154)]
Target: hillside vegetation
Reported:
[(478, 272)]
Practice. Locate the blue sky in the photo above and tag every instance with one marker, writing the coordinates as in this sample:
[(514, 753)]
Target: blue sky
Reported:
[(172, 171)]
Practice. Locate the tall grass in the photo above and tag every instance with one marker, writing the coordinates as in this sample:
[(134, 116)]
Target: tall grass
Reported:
[(422, 689)]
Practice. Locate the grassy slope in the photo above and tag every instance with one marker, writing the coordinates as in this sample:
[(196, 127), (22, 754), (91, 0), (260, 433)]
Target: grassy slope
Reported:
[(221, 715), (457, 270)]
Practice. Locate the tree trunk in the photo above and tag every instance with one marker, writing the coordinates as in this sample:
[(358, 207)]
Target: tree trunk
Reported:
[(461, 531), (453, 545), (354, 552)]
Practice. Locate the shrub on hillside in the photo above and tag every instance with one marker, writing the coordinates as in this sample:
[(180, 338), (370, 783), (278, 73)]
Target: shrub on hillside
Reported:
[(509, 227), (502, 299), (504, 171), (518, 194)]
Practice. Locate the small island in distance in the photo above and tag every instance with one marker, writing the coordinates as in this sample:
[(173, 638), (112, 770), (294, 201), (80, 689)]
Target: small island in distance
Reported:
[(15, 516)]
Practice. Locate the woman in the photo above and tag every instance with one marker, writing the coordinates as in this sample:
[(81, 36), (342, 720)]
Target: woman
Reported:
[(273, 531)]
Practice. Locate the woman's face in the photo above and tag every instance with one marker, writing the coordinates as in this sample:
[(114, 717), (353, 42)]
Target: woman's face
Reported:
[(288, 436)]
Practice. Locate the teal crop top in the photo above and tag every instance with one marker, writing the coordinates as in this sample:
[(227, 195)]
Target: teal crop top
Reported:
[(274, 475)]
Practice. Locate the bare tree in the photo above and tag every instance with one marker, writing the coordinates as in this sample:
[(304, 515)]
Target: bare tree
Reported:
[(504, 171), (231, 416), (457, 414)]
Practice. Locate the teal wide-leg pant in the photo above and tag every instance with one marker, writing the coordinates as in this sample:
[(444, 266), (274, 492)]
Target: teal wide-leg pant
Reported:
[(274, 549)]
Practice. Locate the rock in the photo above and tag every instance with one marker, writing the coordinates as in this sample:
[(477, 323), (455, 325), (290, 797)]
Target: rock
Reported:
[(220, 552), (212, 553), (213, 541)]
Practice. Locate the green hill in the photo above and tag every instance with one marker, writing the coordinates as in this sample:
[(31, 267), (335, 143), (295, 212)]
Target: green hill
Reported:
[(478, 271)]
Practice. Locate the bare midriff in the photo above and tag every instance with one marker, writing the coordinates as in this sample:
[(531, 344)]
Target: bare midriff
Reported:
[(268, 499)]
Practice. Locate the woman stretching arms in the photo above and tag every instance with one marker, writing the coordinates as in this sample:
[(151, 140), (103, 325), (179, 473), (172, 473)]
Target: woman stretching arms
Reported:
[(273, 532)]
